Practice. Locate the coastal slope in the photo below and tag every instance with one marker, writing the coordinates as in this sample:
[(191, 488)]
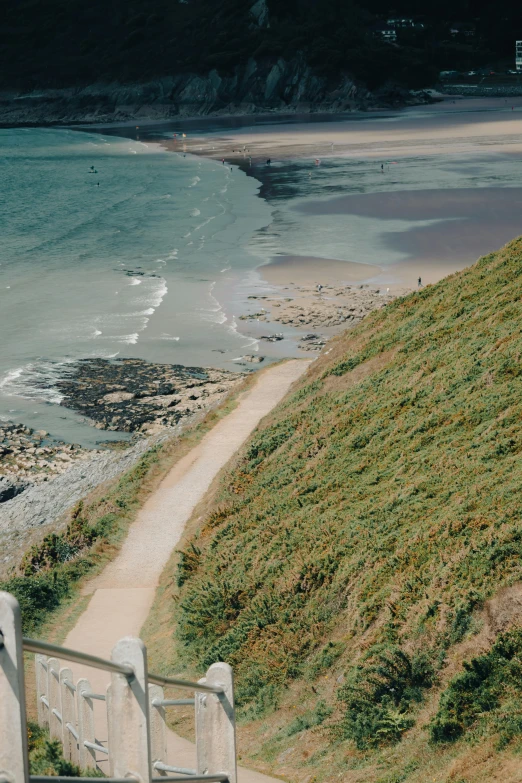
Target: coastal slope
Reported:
[(359, 564)]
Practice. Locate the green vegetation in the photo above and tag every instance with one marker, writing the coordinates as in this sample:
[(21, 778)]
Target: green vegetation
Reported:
[(485, 696), (380, 694), (68, 42), (50, 570), (352, 546), (46, 757)]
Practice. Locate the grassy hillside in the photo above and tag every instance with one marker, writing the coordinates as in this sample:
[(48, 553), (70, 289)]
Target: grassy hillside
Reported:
[(359, 566)]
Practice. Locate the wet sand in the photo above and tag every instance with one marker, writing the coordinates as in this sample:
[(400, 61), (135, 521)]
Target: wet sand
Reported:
[(379, 198), (287, 270)]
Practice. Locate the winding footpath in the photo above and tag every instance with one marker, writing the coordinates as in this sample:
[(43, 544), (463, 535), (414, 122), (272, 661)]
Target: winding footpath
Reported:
[(122, 595)]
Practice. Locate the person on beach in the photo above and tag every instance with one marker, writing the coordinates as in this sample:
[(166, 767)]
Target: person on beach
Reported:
[(420, 283)]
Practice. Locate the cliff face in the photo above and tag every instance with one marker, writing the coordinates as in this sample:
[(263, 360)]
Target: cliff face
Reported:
[(277, 86)]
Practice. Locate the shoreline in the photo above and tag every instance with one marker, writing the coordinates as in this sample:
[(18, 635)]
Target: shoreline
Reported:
[(296, 302)]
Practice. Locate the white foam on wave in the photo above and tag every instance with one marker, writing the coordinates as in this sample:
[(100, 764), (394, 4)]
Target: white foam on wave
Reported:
[(11, 376), (166, 336), (128, 339), (194, 182), (135, 281), (195, 212), (36, 380), (226, 269), (157, 291)]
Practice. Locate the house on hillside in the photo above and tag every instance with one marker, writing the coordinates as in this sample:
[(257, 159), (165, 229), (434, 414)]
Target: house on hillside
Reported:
[(384, 31), (466, 29), (401, 21), (518, 55)]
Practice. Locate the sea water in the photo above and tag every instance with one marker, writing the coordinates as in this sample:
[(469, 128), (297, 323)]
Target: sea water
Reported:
[(113, 248)]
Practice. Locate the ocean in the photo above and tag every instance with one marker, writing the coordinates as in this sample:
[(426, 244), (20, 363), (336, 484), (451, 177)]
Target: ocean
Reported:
[(113, 247)]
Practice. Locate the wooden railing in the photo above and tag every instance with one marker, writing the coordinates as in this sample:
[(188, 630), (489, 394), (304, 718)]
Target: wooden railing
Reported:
[(136, 748)]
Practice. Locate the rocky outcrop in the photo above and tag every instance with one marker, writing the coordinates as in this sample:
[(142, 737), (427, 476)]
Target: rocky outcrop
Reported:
[(133, 395), (255, 87), (28, 457), (10, 488)]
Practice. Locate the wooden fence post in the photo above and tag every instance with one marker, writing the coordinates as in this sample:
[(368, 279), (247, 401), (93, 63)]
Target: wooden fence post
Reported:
[(216, 725), (130, 729), (70, 743), (40, 667), (158, 729), (14, 765), (108, 705), (85, 712), (54, 696)]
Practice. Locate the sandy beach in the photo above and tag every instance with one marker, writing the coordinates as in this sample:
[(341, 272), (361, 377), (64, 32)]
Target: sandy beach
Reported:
[(435, 187)]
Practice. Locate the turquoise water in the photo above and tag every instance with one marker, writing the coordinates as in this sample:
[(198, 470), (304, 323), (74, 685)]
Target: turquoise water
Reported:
[(112, 247)]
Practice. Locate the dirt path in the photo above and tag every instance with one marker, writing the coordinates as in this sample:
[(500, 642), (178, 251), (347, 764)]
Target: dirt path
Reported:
[(123, 593)]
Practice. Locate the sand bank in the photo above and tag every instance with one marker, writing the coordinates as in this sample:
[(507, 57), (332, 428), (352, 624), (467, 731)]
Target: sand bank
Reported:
[(288, 270)]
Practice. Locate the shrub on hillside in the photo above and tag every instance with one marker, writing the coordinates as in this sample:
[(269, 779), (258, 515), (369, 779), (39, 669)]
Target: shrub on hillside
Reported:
[(489, 686), (380, 693), (60, 547)]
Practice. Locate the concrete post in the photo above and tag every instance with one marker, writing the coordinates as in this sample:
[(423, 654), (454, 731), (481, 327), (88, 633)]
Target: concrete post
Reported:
[(108, 705), (13, 724), (85, 713), (70, 744), (54, 696), (40, 668), (130, 734), (158, 728), (216, 725)]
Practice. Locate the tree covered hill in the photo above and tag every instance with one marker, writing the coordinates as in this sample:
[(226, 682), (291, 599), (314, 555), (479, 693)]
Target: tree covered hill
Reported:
[(59, 43), (352, 564)]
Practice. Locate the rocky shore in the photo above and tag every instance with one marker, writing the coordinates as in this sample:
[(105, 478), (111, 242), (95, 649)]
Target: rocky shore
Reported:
[(327, 309), (126, 395), (133, 395), (28, 457)]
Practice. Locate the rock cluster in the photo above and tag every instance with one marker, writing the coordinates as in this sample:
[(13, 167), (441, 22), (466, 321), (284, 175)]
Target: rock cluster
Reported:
[(350, 308), (29, 457), (312, 342), (133, 395)]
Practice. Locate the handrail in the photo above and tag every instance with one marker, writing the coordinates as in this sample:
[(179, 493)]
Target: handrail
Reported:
[(89, 695), (161, 767), (47, 779), (183, 779), (43, 648), (95, 746), (177, 779), (37, 646), (136, 727), (171, 702), (158, 679)]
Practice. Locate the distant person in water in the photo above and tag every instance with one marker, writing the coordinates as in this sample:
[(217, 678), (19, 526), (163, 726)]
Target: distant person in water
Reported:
[(269, 161), (382, 167)]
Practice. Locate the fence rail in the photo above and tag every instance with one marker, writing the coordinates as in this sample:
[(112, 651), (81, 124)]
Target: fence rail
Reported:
[(135, 704)]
